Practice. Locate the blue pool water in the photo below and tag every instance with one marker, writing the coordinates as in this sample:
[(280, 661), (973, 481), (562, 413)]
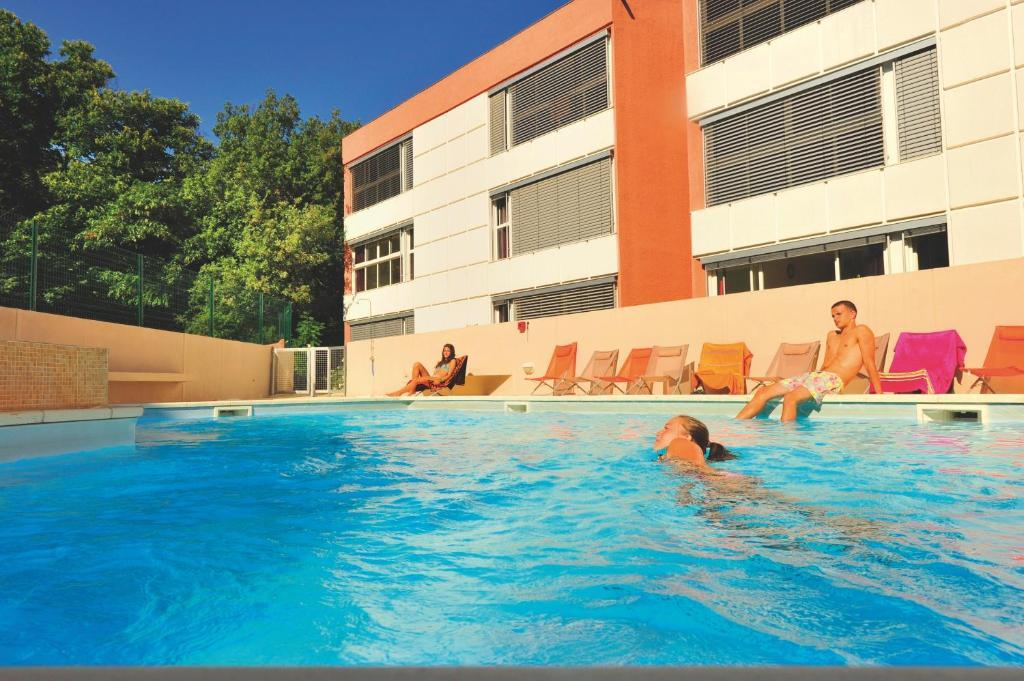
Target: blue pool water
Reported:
[(424, 538)]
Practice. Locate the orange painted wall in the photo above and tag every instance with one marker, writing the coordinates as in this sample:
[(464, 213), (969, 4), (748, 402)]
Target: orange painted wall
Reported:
[(650, 152), (219, 369), (694, 137), (558, 30)]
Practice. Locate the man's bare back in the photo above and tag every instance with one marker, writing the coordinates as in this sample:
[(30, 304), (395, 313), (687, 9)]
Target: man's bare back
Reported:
[(847, 350)]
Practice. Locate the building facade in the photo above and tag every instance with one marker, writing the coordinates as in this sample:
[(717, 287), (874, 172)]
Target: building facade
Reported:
[(838, 139), (534, 181), (620, 153)]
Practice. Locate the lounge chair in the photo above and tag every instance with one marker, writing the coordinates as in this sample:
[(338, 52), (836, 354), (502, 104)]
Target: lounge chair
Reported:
[(1005, 358), (667, 365), (602, 363), (561, 369), (458, 377), (723, 368), (791, 359), (925, 363), (860, 383), (632, 371)]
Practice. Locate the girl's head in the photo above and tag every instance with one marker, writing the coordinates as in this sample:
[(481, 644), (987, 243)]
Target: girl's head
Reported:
[(447, 354), (694, 430)]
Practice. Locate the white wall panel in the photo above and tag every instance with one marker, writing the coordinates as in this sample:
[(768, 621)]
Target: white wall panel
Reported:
[(752, 221), (431, 257), (477, 111), (848, 35), (583, 137), (499, 275), (974, 50), (429, 135), (394, 210), (455, 153), (955, 11), (455, 123), (429, 195), (468, 248), (748, 73), (477, 145), (705, 90), (796, 55), (419, 293), (476, 280), (429, 165), (915, 188), (983, 172), (855, 200), (901, 21), (981, 233), (1017, 14), (439, 292), (710, 230), (589, 258), (431, 226), (802, 211), (979, 110), (475, 311), (433, 318), (457, 283)]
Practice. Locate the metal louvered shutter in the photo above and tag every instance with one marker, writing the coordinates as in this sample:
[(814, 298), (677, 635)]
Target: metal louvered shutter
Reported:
[(407, 170), (574, 87), (377, 178), (410, 325), (828, 130), (730, 26), (571, 206), (570, 301), (497, 105), (396, 326), (917, 105)]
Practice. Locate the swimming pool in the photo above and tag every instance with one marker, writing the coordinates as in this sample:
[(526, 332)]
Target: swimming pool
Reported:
[(408, 537)]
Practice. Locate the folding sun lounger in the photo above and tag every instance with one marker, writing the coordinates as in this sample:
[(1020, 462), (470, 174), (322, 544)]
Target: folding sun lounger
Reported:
[(925, 363), (667, 365), (1005, 358), (602, 363), (458, 378), (723, 368), (561, 370), (632, 371), (791, 359)]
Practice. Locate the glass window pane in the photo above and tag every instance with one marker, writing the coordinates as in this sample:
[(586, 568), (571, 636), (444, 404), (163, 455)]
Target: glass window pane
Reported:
[(502, 243), (865, 261), (412, 270), (360, 254), (384, 274), (371, 278), (360, 280), (932, 250), (804, 269), (395, 247), (412, 242), (396, 270), (501, 210)]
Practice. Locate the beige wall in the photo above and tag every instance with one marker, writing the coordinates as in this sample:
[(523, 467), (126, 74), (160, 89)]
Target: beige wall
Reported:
[(970, 298), (215, 369)]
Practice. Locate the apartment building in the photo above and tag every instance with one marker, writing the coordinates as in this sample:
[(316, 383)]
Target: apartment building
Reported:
[(834, 139), (546, 177)]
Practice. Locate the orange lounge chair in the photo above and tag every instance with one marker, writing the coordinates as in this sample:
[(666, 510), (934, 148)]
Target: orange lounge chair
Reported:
[(860, 384), (602, 363), (458, 377), (632, 372), (1005, 358), (723, 368), (561, 370), (667, 365), (791, 359)]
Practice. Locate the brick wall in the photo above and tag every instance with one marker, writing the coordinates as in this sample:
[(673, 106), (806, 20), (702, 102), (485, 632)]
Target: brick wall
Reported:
[(46, 376)]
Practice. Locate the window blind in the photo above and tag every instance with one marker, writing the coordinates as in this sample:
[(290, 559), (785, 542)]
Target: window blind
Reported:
[(730, 26), (381, 328), (572, 206), (917, 105), (497, 122), (574, 87), (825, 131), (565, 301), (380, 176)]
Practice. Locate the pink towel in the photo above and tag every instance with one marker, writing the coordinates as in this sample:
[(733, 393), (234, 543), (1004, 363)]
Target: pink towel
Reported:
[(940, 353)]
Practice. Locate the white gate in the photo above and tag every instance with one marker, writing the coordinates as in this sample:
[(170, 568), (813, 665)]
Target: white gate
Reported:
[(308, 371)]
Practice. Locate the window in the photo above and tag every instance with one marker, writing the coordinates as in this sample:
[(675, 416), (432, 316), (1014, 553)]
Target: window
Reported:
[(501, 227), (917, 105), (378, 263), (382, 326), (824, 131), (567, 206), (729, 26), (386, 174), (563, 92), (501, 312), (930, 250), (557, 300)]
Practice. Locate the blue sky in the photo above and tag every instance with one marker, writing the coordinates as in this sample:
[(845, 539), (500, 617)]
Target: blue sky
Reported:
[(360, 57)]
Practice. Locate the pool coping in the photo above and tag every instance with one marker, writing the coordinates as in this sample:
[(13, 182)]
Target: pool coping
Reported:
[(47, 432)]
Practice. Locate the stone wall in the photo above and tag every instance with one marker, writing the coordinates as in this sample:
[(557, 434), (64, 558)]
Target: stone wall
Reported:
[(45, 376)]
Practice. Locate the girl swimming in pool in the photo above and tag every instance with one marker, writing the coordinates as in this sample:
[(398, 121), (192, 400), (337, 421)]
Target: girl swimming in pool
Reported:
[(421, 378), (687, 441)]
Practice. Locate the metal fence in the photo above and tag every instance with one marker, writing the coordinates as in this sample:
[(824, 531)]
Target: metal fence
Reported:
[(308, 371), (58, 272)]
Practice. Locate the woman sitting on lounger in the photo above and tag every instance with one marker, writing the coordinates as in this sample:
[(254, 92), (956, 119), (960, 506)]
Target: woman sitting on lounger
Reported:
[(686, 441), (422, 379)]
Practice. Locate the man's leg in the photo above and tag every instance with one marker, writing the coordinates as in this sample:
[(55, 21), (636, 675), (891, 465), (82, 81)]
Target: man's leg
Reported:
[(792, 401), (760, 398)]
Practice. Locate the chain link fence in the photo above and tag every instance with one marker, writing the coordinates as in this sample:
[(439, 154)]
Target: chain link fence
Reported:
[(57, 272)]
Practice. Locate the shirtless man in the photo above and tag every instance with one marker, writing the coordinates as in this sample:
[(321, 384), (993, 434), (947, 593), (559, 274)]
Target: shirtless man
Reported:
[(849, 348)]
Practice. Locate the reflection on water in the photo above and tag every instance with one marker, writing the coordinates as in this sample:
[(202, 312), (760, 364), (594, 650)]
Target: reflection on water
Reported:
[(476, 538)]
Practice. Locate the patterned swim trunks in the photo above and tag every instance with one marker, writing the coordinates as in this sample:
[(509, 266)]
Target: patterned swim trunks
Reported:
[(818, 383)]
